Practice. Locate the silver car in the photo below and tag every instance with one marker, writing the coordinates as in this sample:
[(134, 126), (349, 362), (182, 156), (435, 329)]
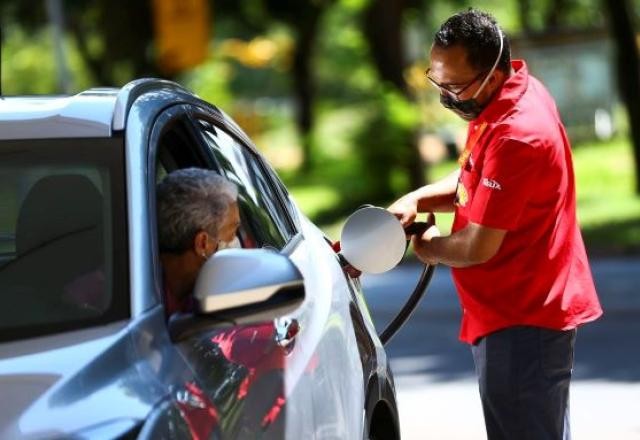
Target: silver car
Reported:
[(85, 348)]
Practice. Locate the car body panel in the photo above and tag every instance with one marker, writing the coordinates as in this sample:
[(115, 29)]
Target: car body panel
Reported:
[(327, 339), (87, 114), (226, 381), (72, 380)]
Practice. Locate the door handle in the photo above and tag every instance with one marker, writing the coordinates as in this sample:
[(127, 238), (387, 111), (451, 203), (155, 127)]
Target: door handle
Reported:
[(286, 330)]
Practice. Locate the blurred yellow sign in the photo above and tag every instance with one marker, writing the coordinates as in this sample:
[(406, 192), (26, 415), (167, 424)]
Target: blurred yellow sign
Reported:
[(182, 30)]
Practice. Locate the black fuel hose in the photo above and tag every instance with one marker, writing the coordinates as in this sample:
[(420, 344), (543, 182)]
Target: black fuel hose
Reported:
[(411, 304), (418, 292), (399, 320)]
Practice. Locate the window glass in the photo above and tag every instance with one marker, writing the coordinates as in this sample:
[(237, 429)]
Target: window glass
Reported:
[(264, 219), (63, 249), (294, 227)]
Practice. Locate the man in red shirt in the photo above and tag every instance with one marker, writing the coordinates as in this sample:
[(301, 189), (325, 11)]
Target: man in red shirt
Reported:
[(518, 258)]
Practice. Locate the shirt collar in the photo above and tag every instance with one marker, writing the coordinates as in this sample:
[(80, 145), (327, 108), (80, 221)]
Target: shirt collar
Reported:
[(508, 95)]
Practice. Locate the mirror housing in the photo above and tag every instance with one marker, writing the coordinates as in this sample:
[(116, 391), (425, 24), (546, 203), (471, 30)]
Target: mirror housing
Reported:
[(237, 286), (240, 278)]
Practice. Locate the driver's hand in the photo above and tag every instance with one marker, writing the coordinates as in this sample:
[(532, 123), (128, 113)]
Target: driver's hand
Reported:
[(405, 209)]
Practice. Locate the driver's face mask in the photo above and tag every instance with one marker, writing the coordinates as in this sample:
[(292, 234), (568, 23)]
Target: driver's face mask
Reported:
[(469, 109), (233, 244)]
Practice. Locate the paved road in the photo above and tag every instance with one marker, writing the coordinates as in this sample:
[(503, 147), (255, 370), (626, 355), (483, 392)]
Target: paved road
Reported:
[(437, 392)]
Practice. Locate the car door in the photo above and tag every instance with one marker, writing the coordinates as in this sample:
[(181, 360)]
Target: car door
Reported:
[(323, 380), (238, 369)]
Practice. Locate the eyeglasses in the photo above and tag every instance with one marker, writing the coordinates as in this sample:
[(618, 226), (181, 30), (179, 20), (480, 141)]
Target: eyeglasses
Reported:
[(457, 94)]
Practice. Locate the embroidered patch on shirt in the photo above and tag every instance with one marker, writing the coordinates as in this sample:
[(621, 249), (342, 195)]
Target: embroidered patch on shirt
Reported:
[(462, 197), (490, 183)]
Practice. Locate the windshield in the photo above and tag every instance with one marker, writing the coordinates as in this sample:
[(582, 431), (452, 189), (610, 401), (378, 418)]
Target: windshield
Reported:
[(63, 246)]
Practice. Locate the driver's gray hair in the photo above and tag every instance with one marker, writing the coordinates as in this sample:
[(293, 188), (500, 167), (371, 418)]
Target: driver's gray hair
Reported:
[(191, 200)]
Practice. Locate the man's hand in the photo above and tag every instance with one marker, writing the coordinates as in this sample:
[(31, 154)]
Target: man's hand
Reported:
[(421, 243), (473, 244), (405, 209), (346, 266)]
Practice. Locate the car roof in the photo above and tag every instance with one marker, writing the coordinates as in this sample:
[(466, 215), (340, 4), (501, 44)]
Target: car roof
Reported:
[(87, 114), (97, 112)]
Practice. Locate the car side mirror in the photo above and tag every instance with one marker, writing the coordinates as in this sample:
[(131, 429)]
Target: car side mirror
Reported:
[(241, 286)]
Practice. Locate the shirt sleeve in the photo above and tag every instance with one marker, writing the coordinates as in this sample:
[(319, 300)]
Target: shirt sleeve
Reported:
[(510, 171)]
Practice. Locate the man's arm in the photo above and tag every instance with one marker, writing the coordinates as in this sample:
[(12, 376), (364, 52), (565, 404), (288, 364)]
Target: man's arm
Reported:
[(474, 244), (435, 197)]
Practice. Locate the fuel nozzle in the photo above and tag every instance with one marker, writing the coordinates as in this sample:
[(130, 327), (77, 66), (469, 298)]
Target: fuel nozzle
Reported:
[(417, 228)]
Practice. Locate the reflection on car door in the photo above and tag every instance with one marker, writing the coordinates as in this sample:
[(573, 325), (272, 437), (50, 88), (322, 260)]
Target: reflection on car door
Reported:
[(229, 396), (322, 370)]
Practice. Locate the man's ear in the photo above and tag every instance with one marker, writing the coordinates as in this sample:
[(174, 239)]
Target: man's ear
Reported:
[(494, 82), (497, 77), (201, 244)]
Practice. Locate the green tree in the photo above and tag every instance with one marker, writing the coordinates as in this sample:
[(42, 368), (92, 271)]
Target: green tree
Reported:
[(384, 26), (114, 37), (303, 18)]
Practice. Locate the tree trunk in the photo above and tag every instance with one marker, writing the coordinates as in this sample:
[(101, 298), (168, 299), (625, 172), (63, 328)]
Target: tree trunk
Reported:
[(383, 30), (307, 31), (304, 18), (628, 67)]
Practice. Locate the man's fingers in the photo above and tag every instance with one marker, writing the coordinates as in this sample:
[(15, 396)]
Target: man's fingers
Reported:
[(417, 242), (431, 232), (403, 212), (408, 218), (402, 216)]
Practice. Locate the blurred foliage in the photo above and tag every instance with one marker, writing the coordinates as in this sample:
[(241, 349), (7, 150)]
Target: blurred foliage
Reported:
[(31, 70), (381, 168), (271, 59), (608, 210), (113, 37), (28, 65), (343, 70)]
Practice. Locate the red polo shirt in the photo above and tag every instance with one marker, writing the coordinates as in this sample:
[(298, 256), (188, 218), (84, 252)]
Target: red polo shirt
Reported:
[(517, 175)]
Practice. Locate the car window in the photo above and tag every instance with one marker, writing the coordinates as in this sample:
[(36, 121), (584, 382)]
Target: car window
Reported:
[(63, 249), (262, 214), (288, 203)]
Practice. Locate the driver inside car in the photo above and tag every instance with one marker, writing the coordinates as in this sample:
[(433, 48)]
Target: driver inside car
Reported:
[(198, 214)]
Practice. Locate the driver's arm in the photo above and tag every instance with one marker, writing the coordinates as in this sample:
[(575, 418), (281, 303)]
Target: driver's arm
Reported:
[(474, 244)]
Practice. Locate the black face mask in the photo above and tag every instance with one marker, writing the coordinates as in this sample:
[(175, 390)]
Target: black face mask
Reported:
[(467, 109)]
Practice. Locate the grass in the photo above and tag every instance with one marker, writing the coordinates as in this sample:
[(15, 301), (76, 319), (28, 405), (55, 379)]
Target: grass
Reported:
[(608, 209)]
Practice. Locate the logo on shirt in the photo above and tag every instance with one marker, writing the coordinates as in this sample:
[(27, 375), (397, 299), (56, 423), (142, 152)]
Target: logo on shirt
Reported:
[(490, 183), (462, 196)]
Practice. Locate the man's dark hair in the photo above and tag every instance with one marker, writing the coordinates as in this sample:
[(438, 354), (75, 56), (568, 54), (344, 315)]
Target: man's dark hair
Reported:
[(477, 32)]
